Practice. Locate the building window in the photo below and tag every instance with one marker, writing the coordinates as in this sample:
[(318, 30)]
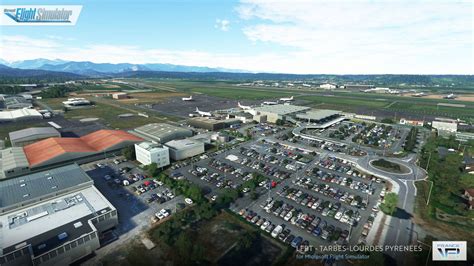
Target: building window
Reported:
[(73, 244), (80, 241), (87, 238), (53, 254), (93, 236), (10, 257), (114, 213), (67, 247), (17, 254), (61, 250), (107, 216)]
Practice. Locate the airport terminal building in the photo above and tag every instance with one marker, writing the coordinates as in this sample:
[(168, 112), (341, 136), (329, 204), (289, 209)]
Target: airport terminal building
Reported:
[(53, 217), (280, 111)]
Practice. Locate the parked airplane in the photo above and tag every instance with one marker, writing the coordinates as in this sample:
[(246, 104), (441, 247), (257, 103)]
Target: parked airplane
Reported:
[(245, 107), (286, 99), (202, 113), (269, 103), (450, 96), (190, 98)]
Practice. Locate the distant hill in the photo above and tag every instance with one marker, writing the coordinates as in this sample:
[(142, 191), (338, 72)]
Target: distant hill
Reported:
[(35, 63), (16, 75), (103, 69)]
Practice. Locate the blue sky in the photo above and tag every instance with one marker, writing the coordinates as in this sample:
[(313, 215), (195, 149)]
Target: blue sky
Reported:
[(303, 36)]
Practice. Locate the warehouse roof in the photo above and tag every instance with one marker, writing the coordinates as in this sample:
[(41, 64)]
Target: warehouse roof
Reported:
[(318, 114), (282, 109), (19, 113), (13, 158), (162, 132), (98, 141), (20, 134), (33, 186)]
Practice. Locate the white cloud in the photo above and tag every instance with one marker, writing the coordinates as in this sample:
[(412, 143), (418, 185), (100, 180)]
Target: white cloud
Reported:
[(222, 24), (408, 37), (305, 37)]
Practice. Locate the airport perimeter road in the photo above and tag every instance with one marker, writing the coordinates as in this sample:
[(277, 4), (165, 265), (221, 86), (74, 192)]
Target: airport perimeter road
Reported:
[(415, 172)]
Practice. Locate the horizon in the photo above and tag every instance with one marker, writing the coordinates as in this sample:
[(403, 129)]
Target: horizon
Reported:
[(352, 38)]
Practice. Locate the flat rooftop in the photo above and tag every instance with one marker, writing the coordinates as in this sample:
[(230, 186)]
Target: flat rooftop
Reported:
[(183, 143), (33, 186), (161, 130), (43, 222), (149, 146), (318, 114), (282, 109)]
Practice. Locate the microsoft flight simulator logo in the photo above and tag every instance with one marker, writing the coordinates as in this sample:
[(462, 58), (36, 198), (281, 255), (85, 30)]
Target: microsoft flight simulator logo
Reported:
[(22, 15), (450, 250), (40, 15)]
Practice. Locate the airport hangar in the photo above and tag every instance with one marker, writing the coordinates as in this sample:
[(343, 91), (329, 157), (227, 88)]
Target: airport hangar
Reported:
[(30, 135), (53, 152), (54, 217), (161, 132)]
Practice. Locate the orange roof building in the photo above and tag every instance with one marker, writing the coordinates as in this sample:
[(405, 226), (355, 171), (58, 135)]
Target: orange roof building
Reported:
[(61, 150)]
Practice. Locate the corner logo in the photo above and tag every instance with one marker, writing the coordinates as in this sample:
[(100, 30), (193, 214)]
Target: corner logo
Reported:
[(39, 15), (449, 250)]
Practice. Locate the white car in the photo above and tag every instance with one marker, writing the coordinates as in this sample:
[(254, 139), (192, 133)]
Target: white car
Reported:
[(159, 215), (165, 213), (188, 201), (213, 198), (265, 225)]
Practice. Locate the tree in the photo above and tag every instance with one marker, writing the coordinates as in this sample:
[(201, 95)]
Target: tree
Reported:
[(129, 152), (246, 240), (390, 203), (152, 169)]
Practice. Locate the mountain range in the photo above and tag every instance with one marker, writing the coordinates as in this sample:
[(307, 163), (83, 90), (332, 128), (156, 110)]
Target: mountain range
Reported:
[(104, 69)]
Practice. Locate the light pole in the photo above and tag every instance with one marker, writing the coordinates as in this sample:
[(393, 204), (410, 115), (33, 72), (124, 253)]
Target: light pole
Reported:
[(418, 241)]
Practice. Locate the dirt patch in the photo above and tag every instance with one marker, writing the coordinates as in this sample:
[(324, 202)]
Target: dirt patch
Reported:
[(462, 97)]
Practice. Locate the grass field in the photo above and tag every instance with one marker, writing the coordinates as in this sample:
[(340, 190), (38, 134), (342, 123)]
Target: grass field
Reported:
[(425, 216), (107, 113)]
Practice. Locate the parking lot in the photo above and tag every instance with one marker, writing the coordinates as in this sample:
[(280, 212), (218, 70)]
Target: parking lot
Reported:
[(323, 199), (138, 199)]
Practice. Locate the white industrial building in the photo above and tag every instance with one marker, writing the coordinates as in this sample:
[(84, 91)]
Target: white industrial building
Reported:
[(149, 152), (55, 217), (328, 86), (446, 125), (185, 148), (19, 115), (76, 102)]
